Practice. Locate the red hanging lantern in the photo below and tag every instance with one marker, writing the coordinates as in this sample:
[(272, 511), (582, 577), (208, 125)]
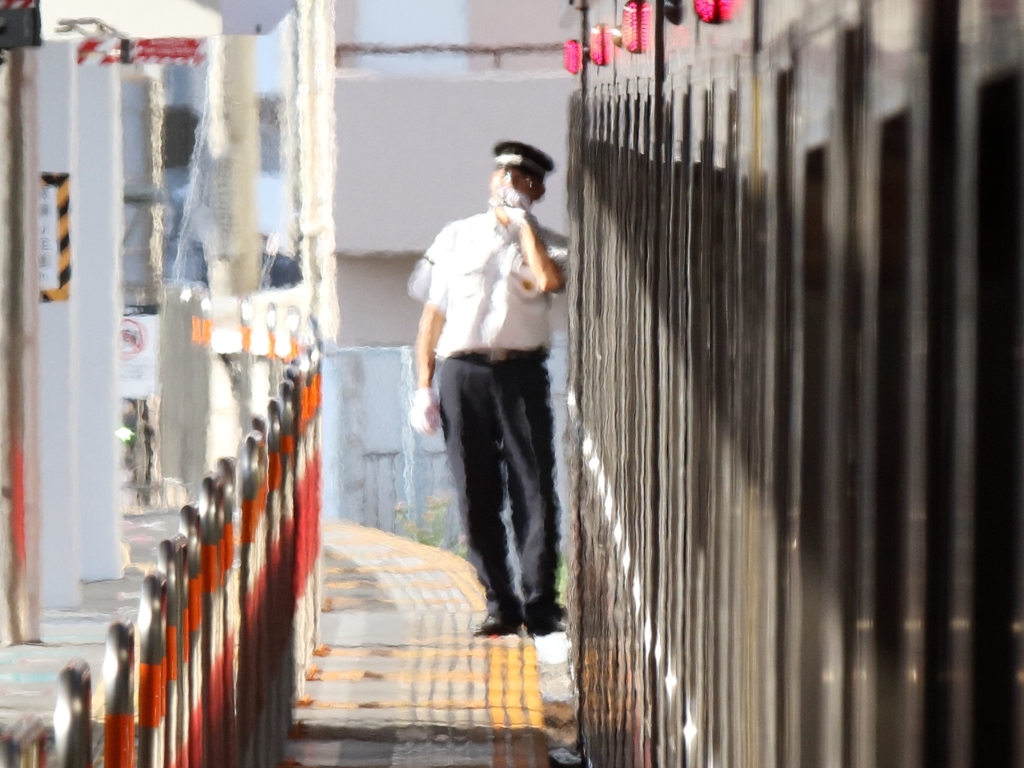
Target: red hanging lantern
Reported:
[(646, 25), (600, 45), (715, 11), (572, 55), (637, 20)]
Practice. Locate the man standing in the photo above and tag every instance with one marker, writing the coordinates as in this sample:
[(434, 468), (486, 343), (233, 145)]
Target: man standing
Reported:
[(486, 284)]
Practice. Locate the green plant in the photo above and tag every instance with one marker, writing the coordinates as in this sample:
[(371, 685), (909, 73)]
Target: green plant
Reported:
[(561, 580), (433, 529)]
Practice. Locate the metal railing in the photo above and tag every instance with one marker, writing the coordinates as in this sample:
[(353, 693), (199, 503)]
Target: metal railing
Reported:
[(194, 709)]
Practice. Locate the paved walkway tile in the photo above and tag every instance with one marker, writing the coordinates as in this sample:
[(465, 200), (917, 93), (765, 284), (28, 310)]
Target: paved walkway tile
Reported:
[(28, 673), (400, 680)]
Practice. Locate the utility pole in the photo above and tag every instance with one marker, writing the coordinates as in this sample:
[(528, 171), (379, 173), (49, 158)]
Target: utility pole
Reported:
[(19, 296), (233, 142), (317, 158)]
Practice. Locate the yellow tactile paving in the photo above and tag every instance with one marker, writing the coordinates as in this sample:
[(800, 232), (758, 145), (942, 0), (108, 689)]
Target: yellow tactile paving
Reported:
[(412, 652), (352, 675), (430, 671), (427, 704)]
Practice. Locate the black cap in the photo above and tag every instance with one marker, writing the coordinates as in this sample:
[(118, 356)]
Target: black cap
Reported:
[(516, 154)]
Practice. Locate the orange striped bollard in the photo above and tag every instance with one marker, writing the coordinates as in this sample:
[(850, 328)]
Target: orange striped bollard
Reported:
[(278, 587), (313, 472), (72, 717), (226, 470), (300, 526), (249, 573), (119, 696), (152, 632), (192, 619), (211, 701), (260, 597), (24, 745), (168, 565), (289, 527)]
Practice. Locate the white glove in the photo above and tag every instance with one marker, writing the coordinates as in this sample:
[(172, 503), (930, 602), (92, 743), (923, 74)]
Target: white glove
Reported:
[(425, 415), (517, 215)]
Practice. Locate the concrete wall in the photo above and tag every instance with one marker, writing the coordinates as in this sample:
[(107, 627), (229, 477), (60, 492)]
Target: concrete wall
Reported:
[(414, 154), (375, 308)]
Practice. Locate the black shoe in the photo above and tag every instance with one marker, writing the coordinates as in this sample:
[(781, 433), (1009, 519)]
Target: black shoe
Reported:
[(496, 625), (545, 625)]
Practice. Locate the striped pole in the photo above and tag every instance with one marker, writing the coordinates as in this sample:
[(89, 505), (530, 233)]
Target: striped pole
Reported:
[(288, 525), (279, 711), (261, 619), (167, 565), (24, 745), (226, 472), (188, 526), (211, 525), (294, 375), (315, 478), (72, 717), (248, 594), (119, 692), (152, 631), (292, 391)]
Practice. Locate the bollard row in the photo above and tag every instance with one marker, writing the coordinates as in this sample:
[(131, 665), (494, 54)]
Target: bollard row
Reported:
[(209, 693), (24, 745)]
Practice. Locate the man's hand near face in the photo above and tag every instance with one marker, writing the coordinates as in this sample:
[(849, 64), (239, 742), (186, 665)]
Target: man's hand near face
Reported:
[(548, 273)]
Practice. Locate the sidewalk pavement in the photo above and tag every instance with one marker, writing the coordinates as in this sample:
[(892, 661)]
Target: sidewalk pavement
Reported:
[(401, 681), (28, 673)]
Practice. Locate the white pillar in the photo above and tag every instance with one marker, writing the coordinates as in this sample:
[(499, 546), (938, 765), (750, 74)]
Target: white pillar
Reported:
[(58, 386), (96, 313), (19, 329)]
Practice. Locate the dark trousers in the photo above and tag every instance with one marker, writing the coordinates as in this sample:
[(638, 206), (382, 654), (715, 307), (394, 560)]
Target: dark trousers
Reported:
[(499, 434)]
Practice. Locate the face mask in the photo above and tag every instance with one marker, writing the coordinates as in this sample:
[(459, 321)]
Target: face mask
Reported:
[(508, 196)]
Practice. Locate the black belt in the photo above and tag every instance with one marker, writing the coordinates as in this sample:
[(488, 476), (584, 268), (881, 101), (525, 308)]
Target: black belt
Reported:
[(501, 355)]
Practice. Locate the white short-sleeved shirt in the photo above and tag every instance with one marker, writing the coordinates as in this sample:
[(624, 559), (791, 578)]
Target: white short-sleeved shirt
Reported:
[(475, 273)]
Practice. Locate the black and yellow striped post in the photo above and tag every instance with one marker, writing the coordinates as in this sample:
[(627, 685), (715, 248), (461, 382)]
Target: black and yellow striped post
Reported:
[(61, 245)]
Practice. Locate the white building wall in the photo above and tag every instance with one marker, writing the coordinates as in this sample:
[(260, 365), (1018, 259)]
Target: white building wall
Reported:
[(97, 317), (169, 18), (58, 153), (414, 154)]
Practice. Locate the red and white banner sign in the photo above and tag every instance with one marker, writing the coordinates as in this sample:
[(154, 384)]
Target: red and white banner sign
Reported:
[(168, 50), (99, 51), (159, 50), (5, 4)]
